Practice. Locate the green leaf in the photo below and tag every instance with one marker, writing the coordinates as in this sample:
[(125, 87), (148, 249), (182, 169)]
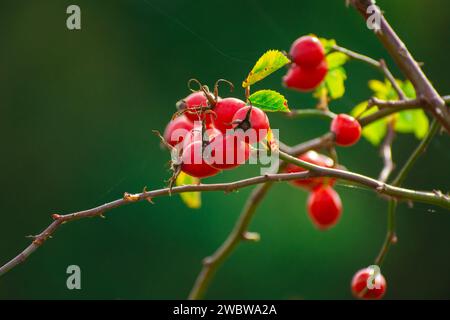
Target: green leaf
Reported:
[(375, 131), (192, 200), (408, 89), (327, 44), (269, 62), (412, 121), (269, 100), (379, 88), (336, 59), (335, 82)]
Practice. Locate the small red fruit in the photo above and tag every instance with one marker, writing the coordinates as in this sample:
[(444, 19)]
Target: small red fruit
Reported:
[(195, 107), (198, 134), (346, 129), (317, 159), (177, 129), (225, 110), (193, 163), (254, 119), (307, 51), (324, 207), (360, 287), (228, 151), (305, 78)]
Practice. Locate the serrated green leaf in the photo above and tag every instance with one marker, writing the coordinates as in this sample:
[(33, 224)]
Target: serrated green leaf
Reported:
[(412, 121), (335, 82), (269, 62), (327, 44), (375, 131), (336, 59), (192, 200), (269, 100)]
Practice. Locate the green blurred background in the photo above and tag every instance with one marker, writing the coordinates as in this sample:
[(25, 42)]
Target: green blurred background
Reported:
[(76, 113)]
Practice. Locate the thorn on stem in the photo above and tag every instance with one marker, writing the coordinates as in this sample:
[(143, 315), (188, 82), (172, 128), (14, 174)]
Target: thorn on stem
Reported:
[(394, 238), (207, 261), (130, 197), (251, 236)]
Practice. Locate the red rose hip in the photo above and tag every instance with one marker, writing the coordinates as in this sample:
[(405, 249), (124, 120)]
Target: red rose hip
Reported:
[(225, 110), (317, 159), (177, 129), (346, 129), (254, 119), (193, 164), (304, 78), (228, 151), (361, 281), (307, 51), (194, 106), (324, 207)]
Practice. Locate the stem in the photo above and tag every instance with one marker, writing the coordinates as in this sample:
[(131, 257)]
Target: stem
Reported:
[(384, 112), (212, 263), (390, 234), (435, 198), (386, 153), (306, 113), (381, 65), (406, 62), (398, 181)]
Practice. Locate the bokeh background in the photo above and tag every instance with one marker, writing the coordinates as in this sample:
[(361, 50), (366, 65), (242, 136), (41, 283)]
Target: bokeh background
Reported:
[(76, 113)]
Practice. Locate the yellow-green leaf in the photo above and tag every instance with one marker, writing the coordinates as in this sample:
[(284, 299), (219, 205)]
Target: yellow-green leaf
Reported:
[(335, 82), (269, 100), (375, 131), (408, 89), (192, 200), (327, 44), (412, 121), (336, 59), (269, 62), (379, 88)]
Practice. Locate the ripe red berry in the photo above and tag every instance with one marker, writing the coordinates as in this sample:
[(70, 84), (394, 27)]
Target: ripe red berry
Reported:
[(305, 78), (254, 119), (194, 106), (228, 151), (360, 287), (317, 159), (307, 51), (346, 129), (225, 110), (177, 129), (193, 163), (324, 207), (198, 134)]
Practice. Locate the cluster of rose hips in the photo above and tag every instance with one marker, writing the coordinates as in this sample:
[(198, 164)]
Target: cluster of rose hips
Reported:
[(210, 134), (309, 66)]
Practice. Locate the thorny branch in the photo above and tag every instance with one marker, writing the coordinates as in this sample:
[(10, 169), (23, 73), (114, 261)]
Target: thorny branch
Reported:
[(434, 198), (407, 64)]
